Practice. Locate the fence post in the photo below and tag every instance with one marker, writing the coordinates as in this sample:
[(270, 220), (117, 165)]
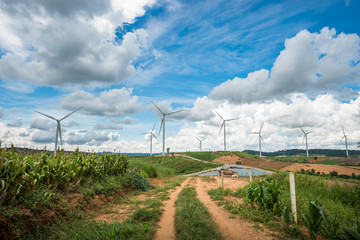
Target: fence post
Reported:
[(250, 175), (293, 195), (222, 178)]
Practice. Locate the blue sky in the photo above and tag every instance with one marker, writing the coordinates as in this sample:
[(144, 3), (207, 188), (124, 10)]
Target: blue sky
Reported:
[(285, 63)]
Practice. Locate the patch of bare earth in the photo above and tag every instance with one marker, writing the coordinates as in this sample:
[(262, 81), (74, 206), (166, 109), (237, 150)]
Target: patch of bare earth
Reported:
[(264, 163), (230, 226), (321, 168), (166, 229)]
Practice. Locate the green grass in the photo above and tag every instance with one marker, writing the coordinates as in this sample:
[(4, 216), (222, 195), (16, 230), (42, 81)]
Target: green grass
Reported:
[(244, 154), (207, 156), (295, 159), (337, 200), (141, 223), (192, 219), (172, 166), (328, 162)]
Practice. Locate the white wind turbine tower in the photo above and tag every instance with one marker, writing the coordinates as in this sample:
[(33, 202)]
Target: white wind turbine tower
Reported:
[(200, 140), (58, 127), (345, 138), (305, 137), (163, 123), (151, 137), (223, 125), (260, 137)]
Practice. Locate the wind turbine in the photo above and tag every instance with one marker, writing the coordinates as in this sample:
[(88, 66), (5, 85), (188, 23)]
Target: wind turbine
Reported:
[(305, 137), (200, 140), (163, 123), (58, 127), (151, 137), (223, 125), (345, 137), (260, 137)]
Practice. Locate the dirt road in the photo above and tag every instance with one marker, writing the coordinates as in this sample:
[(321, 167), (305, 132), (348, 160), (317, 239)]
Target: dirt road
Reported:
[(231, 227), (167, 220)]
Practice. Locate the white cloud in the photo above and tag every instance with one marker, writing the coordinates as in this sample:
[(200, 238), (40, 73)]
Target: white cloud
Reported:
[(323, 115), (18, 123), (110, 126), (115, 102), (68, 42), (43, 137), (42, 124), (310, 63)]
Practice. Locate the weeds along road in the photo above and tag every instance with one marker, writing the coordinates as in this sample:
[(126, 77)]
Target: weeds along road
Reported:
[(230, 226)]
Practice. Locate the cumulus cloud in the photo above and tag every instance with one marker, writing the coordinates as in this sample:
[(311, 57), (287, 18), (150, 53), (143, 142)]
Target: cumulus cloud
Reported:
[(42, 124), (310, 63), (112, 103), (126, 120), (1, 113), (43, 137), (90, 138), (57, 43), (18, 123), (323, 115), (165, 107), (109, 126)]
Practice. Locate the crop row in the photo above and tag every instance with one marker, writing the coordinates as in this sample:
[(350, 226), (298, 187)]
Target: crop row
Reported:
[(22, 173)]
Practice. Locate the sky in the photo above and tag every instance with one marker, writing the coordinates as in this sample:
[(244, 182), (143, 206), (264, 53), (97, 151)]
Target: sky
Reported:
[(281, 64)]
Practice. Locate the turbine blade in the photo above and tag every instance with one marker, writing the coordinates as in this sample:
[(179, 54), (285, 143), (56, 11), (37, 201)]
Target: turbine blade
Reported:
[(342, 138), (302, 130), (153, 127), (46, 115), (255, 133), (175, 112), (158, 108), (343, 130), (261, 138), (222, 126), (219, 115), (203, 139), (261, 127), (162, 122), (231, 119), (155, 137), (71, 113), (198, 139), (303, 139), (60, 132)]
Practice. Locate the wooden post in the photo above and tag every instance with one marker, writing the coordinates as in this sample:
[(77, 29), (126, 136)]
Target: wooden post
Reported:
[(222, 178), (250, 175), (293, 195)]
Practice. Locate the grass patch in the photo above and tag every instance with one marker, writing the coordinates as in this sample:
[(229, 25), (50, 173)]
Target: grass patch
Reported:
[(207, 156), (172, 166), (328, 162), (294, 159), (192, 219)]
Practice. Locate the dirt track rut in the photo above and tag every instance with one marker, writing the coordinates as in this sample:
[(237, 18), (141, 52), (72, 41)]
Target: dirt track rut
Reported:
[(230, 226)]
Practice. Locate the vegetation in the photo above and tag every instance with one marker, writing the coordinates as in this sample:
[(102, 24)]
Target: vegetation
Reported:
[(332, 174), (169, 166), (295, 159), (318, 202), (192, 219), (207, 156), (24, 174)]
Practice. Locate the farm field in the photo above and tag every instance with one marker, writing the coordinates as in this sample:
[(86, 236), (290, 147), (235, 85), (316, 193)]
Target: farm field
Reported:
[(148, 201), (322, 168)]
